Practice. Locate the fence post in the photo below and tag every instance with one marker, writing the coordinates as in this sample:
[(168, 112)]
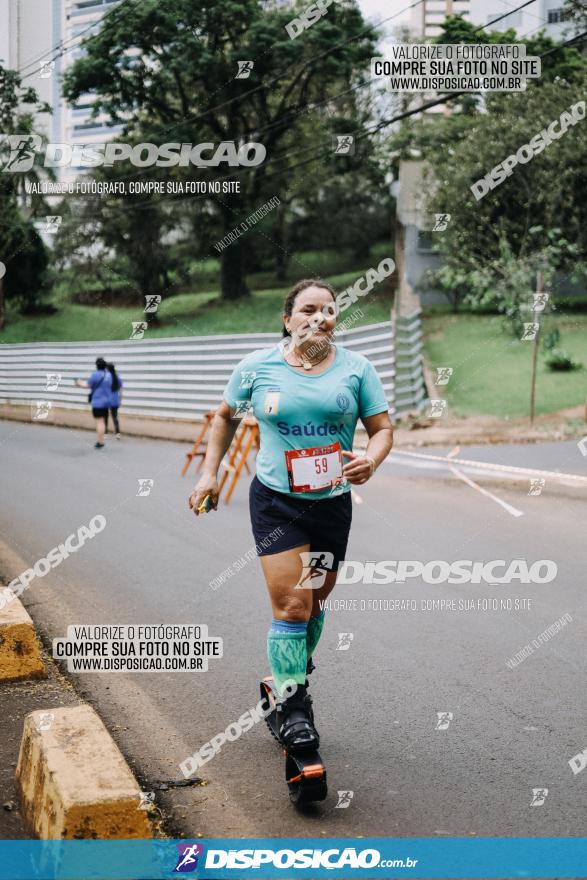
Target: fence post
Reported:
[(410, 392)]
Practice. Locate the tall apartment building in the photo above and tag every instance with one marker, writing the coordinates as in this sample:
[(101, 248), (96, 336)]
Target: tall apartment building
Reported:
[(427, 17), (27, 33), (81, 18), (413, 236), (41, 39), (547, 15)]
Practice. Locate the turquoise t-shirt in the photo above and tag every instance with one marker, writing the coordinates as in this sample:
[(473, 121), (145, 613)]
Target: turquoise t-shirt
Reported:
[(296, 410)]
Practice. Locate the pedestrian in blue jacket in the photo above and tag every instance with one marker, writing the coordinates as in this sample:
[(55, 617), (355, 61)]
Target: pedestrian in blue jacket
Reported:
[(100, 385)]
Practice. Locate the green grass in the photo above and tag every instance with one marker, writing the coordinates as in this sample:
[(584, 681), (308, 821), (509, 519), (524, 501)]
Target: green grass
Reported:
[(492, 371), (307, 264), (188, 314)]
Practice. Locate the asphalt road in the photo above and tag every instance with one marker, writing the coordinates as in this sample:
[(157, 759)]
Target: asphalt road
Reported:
[(512, 730)]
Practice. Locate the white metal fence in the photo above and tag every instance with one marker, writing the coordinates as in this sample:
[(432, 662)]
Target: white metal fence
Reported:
[(182, 378), (409, 388)]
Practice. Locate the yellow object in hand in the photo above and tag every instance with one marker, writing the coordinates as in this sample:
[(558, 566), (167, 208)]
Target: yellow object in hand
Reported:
[(206, 505)]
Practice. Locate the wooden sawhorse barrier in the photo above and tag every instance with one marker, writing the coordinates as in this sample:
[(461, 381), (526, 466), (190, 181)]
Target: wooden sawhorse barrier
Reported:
[(245, 439), (195, 451)]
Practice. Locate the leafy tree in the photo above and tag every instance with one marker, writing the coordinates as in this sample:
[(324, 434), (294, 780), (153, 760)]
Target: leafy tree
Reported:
[(547, 195), (561, 61), (576, 11), (21, 250), (507, 280), (538, 209), (27, 269), (343, 200), (167, 68)]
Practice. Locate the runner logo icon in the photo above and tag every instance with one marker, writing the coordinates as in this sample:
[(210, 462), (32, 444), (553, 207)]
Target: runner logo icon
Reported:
[(539, 795), (344, 800), (315, 565), (344, 145), (344, 641), (441, 222), (244, 69), (23, 148), (189, 853), (443, 720)]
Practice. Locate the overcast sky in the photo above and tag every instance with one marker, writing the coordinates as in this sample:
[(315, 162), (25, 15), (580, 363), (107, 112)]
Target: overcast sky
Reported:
[(377, 10)]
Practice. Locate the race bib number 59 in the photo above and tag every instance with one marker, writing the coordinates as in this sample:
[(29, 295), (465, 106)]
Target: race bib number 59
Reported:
[(315, 468)]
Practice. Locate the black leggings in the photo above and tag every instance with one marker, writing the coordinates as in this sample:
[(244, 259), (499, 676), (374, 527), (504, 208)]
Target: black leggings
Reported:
[(114, 412)]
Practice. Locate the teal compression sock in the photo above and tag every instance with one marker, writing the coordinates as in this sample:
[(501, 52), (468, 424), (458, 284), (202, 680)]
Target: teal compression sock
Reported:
[(315, 627), (286, 651)]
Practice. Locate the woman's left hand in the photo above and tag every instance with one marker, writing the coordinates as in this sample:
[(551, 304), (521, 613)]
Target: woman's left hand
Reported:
[(359, 469)]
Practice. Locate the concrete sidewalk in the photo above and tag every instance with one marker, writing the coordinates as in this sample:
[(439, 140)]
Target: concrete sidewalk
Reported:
[(131, 425), (420, 431), (55, 694), (17, 699)]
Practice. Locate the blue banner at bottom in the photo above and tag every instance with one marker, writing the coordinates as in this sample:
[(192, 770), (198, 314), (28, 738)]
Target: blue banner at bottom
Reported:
[(376, 857)]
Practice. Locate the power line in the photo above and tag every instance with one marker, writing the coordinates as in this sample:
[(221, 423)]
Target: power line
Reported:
[(276, 78), (511, 12), (185, 119), (264, 85), (324, 54), (104, 23), (450, 96), (361, 133)]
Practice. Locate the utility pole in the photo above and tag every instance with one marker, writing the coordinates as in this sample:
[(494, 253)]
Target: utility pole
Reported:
[(539, 289), (2, 303)]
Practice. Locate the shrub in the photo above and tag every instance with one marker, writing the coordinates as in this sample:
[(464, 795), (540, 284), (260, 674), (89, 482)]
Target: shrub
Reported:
[(558, 359)]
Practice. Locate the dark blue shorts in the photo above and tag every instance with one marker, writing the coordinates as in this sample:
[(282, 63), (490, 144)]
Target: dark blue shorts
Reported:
[(323, 524)]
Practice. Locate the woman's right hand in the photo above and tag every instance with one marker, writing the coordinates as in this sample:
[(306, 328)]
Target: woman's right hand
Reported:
[(207, 485)]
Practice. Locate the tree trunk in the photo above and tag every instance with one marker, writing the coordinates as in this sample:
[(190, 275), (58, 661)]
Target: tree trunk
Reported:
[(2, 313), (455, 300), (279, 233), (151, 269), (232, 272)]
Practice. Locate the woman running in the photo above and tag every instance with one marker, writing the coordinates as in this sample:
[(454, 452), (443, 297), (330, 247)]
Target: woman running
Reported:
[(307, 395)]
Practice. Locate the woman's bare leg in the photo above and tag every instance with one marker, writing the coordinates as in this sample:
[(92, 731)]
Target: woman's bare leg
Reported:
[(282, 572), (323, 592), (298, 618)]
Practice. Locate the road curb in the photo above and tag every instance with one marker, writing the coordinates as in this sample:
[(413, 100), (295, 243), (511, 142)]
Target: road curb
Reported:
[(133, 425), (500, 475), (74, 782), (71, 778), (548, 428), (20, 650)]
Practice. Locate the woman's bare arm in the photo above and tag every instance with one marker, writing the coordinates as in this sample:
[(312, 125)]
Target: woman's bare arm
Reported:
[(360, 468), (222, 431)]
